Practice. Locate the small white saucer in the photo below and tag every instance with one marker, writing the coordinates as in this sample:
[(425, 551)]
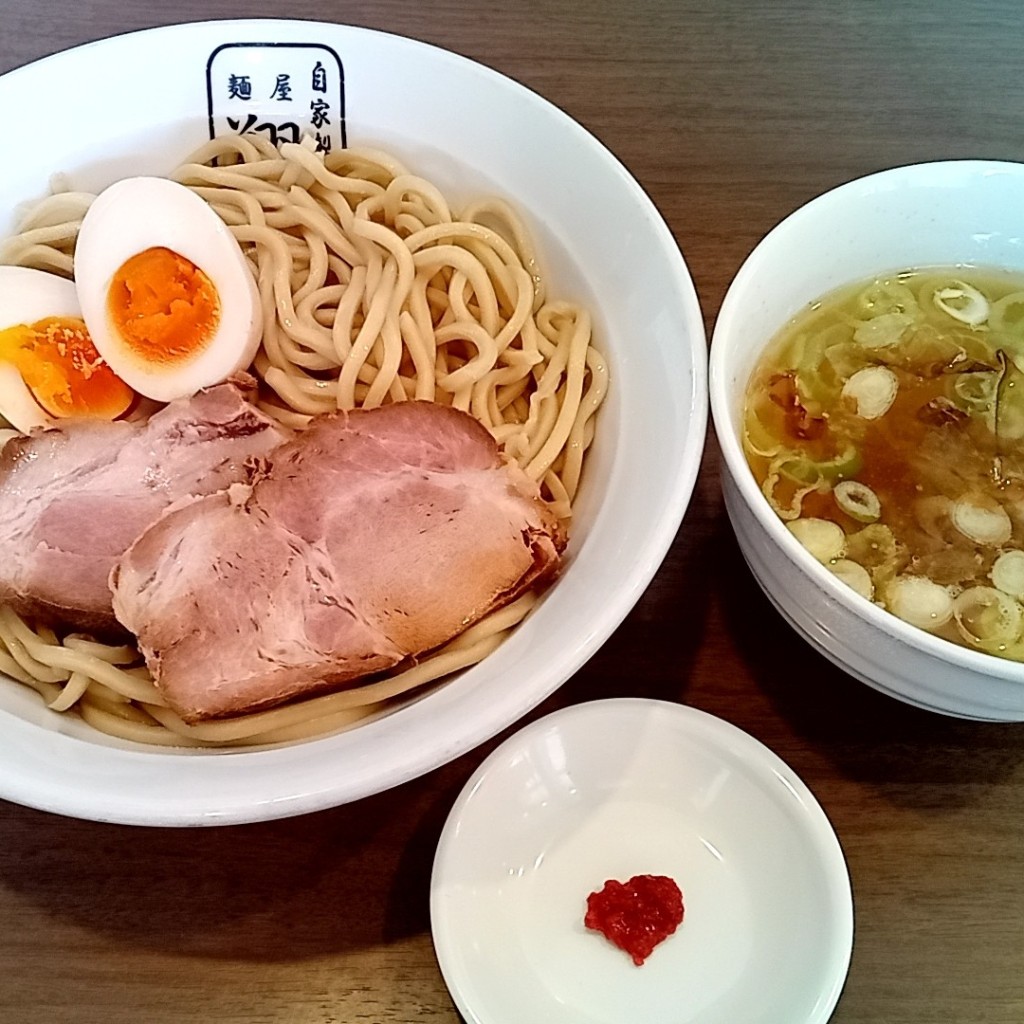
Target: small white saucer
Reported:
[(617, 788)]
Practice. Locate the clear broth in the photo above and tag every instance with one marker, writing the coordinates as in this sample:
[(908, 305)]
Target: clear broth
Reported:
[(947, 451)]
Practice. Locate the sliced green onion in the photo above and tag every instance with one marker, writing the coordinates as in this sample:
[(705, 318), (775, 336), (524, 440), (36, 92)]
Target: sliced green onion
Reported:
[(815, 374), (845, 359), (981, 524), (987, 617), (1007, 573), (854, 576), (977, 390), (919, 601), (844, 465), (757, 438), (793, 509), (886, 296), (1007, 313), (873, 390), (806, 470), (821, 537), (1009, 403), (962, 302), (875, 548), (883, 331), (933, 516), (858, 501), (926, 343), (798, 468), (805, 353), (815, 345)]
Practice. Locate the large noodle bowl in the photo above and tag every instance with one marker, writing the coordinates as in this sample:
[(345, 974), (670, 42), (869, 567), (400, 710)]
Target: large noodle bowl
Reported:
[(373, 291)]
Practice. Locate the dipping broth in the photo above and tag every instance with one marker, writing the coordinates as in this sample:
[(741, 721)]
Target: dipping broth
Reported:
[(885, 426)]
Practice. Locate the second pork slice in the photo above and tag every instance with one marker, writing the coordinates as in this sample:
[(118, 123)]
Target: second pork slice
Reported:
[(373, 537)]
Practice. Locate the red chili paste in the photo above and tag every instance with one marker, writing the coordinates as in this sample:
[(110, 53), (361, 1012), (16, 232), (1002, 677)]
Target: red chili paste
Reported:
[(636, 915)]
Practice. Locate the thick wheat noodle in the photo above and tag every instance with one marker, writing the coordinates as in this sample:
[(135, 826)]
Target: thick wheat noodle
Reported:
[(422, 355), (574, 352), (342, 331), (14, 633), (314, 306), (498, 210), (459, 259), (542, 417), (344, 184), (365, 340), (45, 236), (151, 733), (300, 208), (493, 253), (43, 257), (62, 661), (561, 503), (372, 290), (388, 381), (316, 272), (582, 431), (10, 667), (285, 327), (485, 404), (289, 387), (63, 208), (486, 354), (72, 691), (231, 178)]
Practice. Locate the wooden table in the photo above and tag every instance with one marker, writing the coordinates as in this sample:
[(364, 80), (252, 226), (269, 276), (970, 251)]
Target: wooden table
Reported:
[(730, 114)]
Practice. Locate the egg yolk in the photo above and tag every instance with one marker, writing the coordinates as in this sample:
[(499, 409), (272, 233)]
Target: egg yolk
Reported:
[(61, 367), (163, 306)]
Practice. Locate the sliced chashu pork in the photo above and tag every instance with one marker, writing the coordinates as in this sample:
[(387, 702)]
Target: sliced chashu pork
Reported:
[(372, 537), (73, 497)]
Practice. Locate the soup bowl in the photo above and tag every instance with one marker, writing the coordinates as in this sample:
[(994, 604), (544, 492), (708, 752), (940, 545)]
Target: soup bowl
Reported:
[(938, 214), (140, 103)]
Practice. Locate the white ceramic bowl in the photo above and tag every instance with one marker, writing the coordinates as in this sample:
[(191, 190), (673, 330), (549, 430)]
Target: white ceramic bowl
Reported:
[(969, 212), (139, 104), (617, 788)]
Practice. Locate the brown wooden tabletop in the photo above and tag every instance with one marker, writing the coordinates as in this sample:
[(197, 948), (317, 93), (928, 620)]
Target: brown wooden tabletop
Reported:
[(730, 114)]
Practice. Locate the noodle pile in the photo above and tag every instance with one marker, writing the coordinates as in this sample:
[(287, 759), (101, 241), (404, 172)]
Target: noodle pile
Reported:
[(373, 291)]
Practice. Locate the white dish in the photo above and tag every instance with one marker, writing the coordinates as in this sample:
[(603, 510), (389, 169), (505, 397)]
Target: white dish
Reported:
[(616, 788), (595, 228), (938, 214)]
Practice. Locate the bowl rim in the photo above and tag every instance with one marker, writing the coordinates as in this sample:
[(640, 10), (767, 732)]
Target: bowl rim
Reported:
[(732, 449), (327, 789)]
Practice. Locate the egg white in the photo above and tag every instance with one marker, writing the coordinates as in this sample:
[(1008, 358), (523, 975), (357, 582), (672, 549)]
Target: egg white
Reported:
[(142, 213), (26, 297)]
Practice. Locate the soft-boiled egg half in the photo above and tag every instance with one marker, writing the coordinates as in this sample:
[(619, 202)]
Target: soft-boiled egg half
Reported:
[(167, 294), (49, 367)]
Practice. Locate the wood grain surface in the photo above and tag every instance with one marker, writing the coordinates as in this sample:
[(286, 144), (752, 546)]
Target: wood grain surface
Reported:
[(730, 114)]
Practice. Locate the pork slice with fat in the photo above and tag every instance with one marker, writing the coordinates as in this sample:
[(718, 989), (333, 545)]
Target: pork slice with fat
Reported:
[(373, 537), (73, 497)]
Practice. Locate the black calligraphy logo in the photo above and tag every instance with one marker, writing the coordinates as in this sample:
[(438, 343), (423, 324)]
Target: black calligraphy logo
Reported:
[(319, 83), (277, 133), (318, 113), (247, 85), (282, 88), (239, 87)]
